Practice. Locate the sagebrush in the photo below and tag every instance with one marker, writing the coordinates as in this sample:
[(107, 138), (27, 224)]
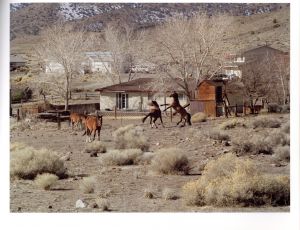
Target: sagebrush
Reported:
[(45, 180), (170, 161), (231, 181), (130, 137), (199, 117), (88, 184), (121, 157), (27, 162)]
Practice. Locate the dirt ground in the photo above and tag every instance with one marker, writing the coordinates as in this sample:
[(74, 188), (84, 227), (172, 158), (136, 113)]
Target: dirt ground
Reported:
[(124, 186)]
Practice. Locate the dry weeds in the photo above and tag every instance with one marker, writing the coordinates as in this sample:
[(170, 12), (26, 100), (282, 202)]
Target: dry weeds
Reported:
[(88, 184), (199, 117), (121, 157), (45, 180)]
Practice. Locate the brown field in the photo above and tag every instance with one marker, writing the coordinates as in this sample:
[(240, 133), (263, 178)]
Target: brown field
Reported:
[(133, 188)]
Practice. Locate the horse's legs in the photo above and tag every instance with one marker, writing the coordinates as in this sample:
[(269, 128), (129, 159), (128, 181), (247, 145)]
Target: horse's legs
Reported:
[(154, 122), (151, 122), (179, 121), (99, 129), (161, 121)]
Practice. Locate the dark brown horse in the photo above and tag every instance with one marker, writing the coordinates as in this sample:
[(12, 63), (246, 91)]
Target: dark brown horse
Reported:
[(155, 113), (184, 115)]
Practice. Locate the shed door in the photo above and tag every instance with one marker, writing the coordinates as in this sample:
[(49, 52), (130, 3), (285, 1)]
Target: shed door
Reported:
[(219, 96)]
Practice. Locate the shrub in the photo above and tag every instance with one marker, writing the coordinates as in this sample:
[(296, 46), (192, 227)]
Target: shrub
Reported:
[(231, 181), (278, 137), (27, 162), (45, 180), (169, 194), (20, 125), (255, 145), (103, 204), (148, 194), (130, 137), (276, 25), (199, 117), (230, 124), (121, 157), (286, 128), (218, 135), (282, 153), (95, 147), (266, 122), (170, 161), (273, 108), (88, 184)]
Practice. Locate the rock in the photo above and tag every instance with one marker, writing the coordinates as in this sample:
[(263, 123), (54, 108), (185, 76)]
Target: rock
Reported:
[(93, 154), (50, 206), (65, 158), (157, 144), (80, 204), (226, 143)]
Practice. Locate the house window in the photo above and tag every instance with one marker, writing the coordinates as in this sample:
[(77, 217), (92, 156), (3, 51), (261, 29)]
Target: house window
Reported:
[(122, 100)]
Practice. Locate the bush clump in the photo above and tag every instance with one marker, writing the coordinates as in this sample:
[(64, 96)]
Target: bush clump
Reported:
[(130, 137), (282, 153), (199, 117), (230, 124), (169, 194), (121, 157), (95, 147), (266, 122), (170, 161), (218, 135), (88, 185), (45, 180), (255, 145), (27, 162), (231, 181)]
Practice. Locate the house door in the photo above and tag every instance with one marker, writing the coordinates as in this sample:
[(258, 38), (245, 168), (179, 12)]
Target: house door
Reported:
[(122, 100)]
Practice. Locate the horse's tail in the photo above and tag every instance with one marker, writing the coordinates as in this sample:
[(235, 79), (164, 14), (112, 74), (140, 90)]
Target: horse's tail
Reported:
[(189, 119), (144, 119)]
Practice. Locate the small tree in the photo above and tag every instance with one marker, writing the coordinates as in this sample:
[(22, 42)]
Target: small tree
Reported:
[(63, 45)]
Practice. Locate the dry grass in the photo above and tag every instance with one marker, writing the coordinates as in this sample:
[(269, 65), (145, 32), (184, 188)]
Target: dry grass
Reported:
[(230, 124), (95, 147), (130, 137), (266, 122), (88, 184), (45, 180), (20, 126), (121, 157), (255, 145), (103, 204), (218, 135), (278, 137), (169, 194), (231, 181), (199, 117), (148, 194), (170, 161), (282, 153), (286, 128), (27, 162)]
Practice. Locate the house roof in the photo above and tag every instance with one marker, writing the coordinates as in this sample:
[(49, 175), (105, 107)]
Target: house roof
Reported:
[(140, 85), (265, 47), (15, 58)]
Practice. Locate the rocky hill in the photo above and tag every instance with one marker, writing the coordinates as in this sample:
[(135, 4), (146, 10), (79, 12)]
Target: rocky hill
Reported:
[(31, 18)]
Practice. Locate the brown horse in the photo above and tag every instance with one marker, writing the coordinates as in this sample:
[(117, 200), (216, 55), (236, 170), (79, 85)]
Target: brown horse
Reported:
[(155, 113), (92, 125), (184, 115), (76, 119)]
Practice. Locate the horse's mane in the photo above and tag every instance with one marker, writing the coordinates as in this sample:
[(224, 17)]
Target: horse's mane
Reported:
[(155, 104)]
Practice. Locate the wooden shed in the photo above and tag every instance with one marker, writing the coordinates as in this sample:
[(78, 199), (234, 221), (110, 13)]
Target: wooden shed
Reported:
[(209, 98)]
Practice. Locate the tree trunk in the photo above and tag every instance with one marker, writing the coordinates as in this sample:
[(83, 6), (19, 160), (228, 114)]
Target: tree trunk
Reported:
[(67, 94)]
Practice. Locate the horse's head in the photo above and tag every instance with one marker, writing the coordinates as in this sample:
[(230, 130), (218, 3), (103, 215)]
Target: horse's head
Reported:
[(155, 104), (174, 95)]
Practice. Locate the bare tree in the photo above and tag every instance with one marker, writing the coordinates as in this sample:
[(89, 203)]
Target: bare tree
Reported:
[(62, 45), (122, 43), (189, 49)]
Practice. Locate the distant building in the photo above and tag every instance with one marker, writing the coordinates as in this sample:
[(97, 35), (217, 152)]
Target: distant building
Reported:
[(97, 61), (16, 62), (232, 66)]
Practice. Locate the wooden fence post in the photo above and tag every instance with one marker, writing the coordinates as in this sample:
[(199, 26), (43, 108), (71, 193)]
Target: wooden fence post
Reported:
[(58, 121), (18, 114), (115, 112), (171, 114), (244, 109), (236, 108)]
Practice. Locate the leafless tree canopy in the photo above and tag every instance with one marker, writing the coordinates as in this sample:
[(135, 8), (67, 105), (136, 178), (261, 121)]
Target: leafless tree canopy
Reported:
[(189, 49), (61, 44)]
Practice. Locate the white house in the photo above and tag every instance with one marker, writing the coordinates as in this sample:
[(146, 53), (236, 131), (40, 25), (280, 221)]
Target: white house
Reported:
[(135, 95), (232, 64), (97, 61)]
